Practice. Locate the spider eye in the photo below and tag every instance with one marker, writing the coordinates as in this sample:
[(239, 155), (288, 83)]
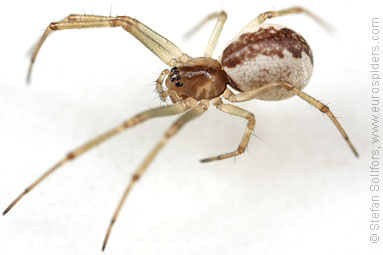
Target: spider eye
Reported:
[(175, 77), (173, 69), (179, 84)]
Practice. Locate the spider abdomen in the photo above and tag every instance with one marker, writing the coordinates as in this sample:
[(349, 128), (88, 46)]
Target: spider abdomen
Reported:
[(265, 54)]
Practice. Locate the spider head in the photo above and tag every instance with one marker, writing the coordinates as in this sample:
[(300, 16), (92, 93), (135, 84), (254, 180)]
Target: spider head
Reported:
[(199, 78)]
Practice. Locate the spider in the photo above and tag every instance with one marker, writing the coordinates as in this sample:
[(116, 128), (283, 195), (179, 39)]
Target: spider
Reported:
[(263, 61)]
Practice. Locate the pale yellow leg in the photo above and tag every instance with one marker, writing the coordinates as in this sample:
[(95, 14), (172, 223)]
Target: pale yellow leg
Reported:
[(159, 82), (174, 128), (137, 119), (221, 16), (323, 108), (272, 14), (168, 52), (234, 110), (248, 95), (252, 94)]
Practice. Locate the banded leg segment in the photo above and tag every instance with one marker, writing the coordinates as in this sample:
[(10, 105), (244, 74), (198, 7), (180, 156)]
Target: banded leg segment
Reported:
[(137, 119), (234, 110), (168, 52), (174, 128), (272, 14), (323, 108), (221, 16)]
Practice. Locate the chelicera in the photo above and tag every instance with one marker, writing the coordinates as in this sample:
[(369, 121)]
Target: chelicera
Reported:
[(267, 62)]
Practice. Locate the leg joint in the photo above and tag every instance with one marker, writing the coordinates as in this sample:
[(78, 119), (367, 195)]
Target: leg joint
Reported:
[(268, 15), (54, 26), (135, 177), (251, 120), (251, 124), (241, 149), (324, 109), (70, 156), (250, 116), (223, 14)]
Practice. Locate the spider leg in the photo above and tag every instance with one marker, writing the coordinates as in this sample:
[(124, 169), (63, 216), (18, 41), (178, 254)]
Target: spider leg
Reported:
[(272, 14), (168, 52), (163, 93), (221, 16), (34, 46), (323, 108), (234, 110), (172, 130), (252, 94), (137, 119), (248, 95)]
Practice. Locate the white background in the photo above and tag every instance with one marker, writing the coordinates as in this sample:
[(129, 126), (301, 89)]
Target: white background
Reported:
[(297, 190)]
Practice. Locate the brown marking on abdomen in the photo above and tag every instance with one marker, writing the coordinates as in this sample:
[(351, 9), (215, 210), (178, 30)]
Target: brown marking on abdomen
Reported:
[(267, 41)]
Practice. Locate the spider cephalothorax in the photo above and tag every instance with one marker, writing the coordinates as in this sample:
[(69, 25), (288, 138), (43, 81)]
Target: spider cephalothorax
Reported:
[(199, 78)]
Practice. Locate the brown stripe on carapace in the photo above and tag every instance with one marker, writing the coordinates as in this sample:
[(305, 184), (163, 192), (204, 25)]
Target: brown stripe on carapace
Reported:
[(267, 41)]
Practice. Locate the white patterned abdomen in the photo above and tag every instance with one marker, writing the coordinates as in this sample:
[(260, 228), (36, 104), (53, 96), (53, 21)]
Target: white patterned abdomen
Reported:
[(271, 53)]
